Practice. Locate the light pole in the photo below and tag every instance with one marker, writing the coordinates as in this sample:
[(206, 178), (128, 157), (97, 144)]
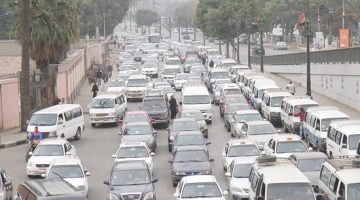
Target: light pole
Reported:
[(343, 14), (104, 23), (308, 64)]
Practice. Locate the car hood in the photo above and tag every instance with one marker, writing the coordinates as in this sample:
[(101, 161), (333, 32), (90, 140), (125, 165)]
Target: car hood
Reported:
[(313, 176), (101, 110), (118, 190), (191, 166), (240, 183), (149, 69), (43, 159), (154, 111), (180, 81), (136, 138), (275, 109), (212, 198)]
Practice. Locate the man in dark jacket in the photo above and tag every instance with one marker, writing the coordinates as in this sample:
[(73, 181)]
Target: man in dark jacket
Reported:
[(173, 107), (95, 90), (211, 64)]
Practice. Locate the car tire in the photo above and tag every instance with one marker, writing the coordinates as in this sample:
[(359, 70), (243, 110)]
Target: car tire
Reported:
[(78, 134), (93, 125)]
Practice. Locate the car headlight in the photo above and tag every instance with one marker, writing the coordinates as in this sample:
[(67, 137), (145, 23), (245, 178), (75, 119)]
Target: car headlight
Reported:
[(30, 164), (180, 173), (149, 195), (113, 197), (81, 188)]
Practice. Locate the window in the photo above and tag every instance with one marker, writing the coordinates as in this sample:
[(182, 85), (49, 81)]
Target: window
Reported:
[(344, 141), (122, 100), (312, 121), (68, 115), (338, 137), (307, 118), (77, 112), (317, 126), (117, 101), (334, 181), (254, 181), (331, 134), (283, 105), (325, 175)]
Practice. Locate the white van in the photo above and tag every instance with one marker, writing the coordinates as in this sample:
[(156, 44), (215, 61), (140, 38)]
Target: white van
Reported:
[(343, 138), (256, 96), (137, 85), (291, 105), (197, 97), (107, 108), (316, 124), (271, 106), (65, 120)]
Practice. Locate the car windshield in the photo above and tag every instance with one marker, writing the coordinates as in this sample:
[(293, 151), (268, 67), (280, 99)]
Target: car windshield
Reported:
[(102, 103), (136, 83), (191, 156), (354, 141), (291, 147), (116, 84), (190, 62), (138, 130), (166, 88), (276, 101), (173, 62), (220, 75), (195, 115), (149, 65), (133, 152), (49, 150), (185, 126), (66, 171), (154, 104), (290, 191), (170, 71), (326, 122), (313, 164), (200, 190), (233, 108), (231, 91), (130, 177), (184, 140), (236, 99), (196, 99), (262, 129), (182, 77), (43, 120), (248, 117), (353, 191), (242, 171), (136, 118), (243, 150)]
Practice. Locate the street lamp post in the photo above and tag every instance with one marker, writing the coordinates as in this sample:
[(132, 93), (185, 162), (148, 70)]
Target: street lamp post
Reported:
[(261, 50), (170, 27), (308, 64)]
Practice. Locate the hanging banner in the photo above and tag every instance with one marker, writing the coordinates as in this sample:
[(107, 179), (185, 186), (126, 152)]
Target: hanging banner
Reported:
[(344, 38)]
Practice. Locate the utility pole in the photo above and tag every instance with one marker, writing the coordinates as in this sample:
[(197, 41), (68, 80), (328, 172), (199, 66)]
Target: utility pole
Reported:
[(204, 39), (130, 20), (160, 27), (308, 66), (194, 30), (249, 52), (179, 30), (343, 14), (237, 47), (170, 27), (261, 50), (104, 23)]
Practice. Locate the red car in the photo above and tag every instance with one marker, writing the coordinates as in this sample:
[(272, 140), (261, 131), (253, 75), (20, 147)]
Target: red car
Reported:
[(134, 116), (229, 99)]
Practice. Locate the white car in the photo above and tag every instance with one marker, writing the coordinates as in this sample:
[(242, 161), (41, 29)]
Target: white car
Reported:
[(258, 131), (238, 177), (168, 90), (281, 46), (136, 86), (201, 187), (72, 171), (45, 152), (283, 145), (239, 148), (134, 151), (180, 80), (150, 69), (115, 86)]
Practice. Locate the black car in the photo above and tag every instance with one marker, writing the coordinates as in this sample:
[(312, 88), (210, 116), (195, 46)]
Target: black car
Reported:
[(189, 160), (179, 125), (256, 50), (130, 180), (44, 189), (6, 188), (189, 138)]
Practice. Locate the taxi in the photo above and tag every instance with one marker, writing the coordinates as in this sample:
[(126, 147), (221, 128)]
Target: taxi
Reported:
[(239, 148), (283, 145)]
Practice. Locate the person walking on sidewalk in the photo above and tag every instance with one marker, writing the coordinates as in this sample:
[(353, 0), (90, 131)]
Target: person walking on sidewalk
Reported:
[(173, 107), (211, 64), (98, 77), (301, 114), (290, 87), (95, 90)]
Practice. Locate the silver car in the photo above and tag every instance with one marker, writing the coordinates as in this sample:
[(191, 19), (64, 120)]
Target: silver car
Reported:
[(199, 117)]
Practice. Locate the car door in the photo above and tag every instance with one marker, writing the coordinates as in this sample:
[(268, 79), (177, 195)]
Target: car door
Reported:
[(69, 128)]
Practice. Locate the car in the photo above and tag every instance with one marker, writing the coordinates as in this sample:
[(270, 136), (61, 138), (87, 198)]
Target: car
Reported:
[(180, 80), (239, 117), (310, 164), (214, 75), (238, 177), (130, 180), (188, 63), (140, 132), (257, 50), (189, 138), (199, 187), (6, 187), (259, 131), (72, 171), (157, 107), (47, 150), (199, 117), (271, 105), (136, 86), (216, 90), (238, 148), (227, 63), (236, 69), (280, 46), (134, 151), (189, 160), (47, 189), (231, 99), (134, 116), (150, 69), (169, 73), (180, 125), (167, 89), (230, 109), (283, 145), (115, 86), (228, 89)]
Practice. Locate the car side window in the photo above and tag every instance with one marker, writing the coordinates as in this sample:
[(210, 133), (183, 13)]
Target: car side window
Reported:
[(254, 181), (344, 140), (333, 184), (325, 175), (312, 121), (331, 134), (68, 115), (338, 137)]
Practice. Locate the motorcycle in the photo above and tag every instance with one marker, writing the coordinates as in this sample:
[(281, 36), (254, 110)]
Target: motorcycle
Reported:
[(30, 149)]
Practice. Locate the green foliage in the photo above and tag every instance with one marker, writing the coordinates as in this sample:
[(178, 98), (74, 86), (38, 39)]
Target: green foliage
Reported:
[(6, 19), (146, 17), (185, 13)]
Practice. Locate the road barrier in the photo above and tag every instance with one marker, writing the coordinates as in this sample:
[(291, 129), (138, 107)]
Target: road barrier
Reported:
[(348, 55)]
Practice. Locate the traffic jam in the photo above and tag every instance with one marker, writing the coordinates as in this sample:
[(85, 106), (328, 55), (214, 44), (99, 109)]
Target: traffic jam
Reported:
[(282, 146)]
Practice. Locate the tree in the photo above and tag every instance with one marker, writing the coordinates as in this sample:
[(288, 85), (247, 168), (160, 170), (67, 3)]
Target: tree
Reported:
[(185, 13), (146, 17), (54, 26), (6, 19)]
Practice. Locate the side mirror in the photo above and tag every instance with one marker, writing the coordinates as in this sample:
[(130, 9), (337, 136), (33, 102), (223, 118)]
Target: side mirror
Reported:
[(43, 175), (211, 160), (180, 102), (227, 174), (320, 197), (155, 132), (87, 173), (154, 180), (176, 194), (106, 182), (263, 152), (290, 114), (68, 153), (226, 193), (278, 131), (207, 143), (113, 156), (310, 149), (152, 154), (172, 138), (30, 153), (170, 161)]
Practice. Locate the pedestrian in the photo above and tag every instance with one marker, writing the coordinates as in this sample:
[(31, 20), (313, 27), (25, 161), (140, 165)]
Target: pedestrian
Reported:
[(57, 100), (211, 63), (301, 114), (290, 87), (173, 107), (98, 77), (95, 90), (109, 69), (105, 75)]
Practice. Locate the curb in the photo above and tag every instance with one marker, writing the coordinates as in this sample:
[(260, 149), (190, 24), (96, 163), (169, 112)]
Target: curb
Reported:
[(13, 143)]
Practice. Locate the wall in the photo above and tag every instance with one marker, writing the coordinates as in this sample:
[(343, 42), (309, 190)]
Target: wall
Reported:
[(9, 103), (340, 82)]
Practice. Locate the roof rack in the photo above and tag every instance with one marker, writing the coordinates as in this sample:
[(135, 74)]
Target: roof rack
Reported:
[(344, 162), (272, 160)]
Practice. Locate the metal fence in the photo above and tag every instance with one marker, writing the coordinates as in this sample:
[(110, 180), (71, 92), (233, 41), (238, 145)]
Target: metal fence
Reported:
[(349, 55)]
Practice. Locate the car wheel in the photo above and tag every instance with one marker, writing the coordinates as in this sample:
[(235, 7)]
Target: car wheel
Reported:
[(93, 125), (78, 134)]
